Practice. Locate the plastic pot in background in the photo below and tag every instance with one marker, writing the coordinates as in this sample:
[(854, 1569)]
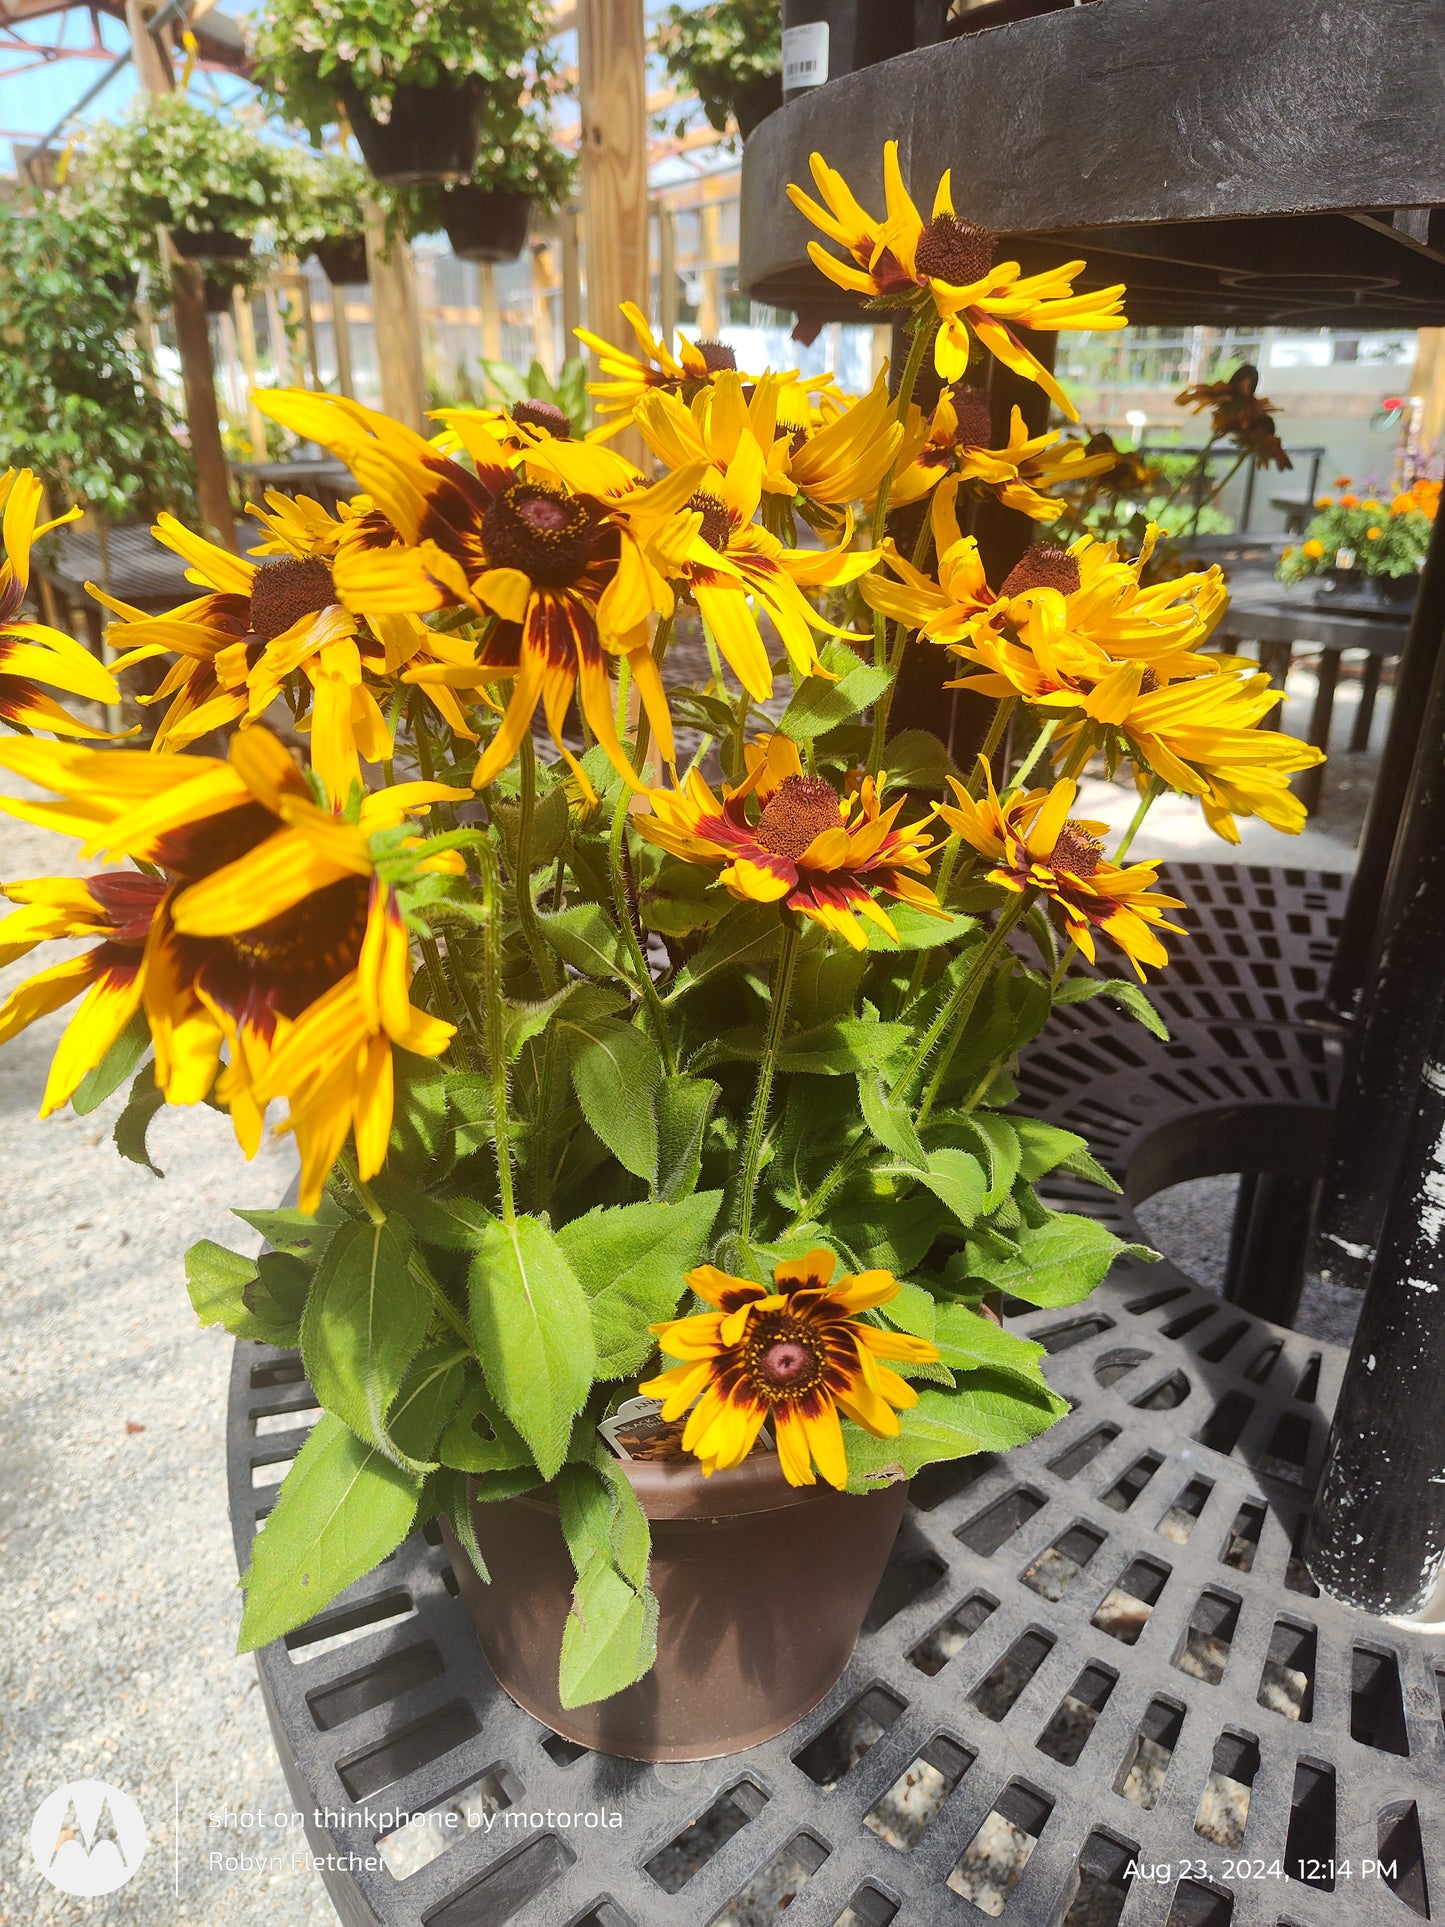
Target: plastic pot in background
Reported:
[(220, 286), (761, 1589), (824, 39), (486, 224), (343, 260), (755, 100), (434, 133), (210, 244)]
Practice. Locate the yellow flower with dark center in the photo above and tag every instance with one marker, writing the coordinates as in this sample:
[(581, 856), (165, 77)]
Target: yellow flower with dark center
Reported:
[(34, 658), (1238, 411), (557, 568), (953, 604), (949, 263), (1034, 844), (516, 428), (629, 377), (807, 848), (265, 932), (959, 434), (795, 1356)]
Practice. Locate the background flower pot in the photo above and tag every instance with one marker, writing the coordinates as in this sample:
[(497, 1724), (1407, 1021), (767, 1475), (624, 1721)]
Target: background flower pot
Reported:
[(486, 224), (210, 244), (220, 287), (343, 260), (434, 133), (860, 34), (755, 100), (761, 1590)]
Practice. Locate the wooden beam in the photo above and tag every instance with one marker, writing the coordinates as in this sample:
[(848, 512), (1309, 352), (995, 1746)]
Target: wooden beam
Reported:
[(397, 322), (612, 60), (193, 331), (245, 322)]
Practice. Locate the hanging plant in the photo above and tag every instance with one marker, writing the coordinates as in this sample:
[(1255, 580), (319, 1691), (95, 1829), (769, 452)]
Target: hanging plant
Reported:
[(412, 82), (212, 181), (325, 202), (520, 168), (729, 54)]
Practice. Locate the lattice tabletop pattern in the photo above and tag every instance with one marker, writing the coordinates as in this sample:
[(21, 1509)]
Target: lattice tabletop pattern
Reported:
[(1096, 1683)]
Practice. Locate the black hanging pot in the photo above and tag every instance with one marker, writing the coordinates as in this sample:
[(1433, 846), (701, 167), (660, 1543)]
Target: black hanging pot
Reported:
[(219, 288), (343, 260), (124, 283), (755, 100), (210, 244), (824, 39), (434, 133), (486, 224)]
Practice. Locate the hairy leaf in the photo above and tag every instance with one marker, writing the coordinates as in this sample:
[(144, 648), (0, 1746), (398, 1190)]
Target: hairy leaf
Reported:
[(533, 1332)]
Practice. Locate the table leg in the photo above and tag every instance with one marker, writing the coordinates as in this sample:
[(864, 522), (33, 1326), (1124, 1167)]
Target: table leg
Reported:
[(1274, 660), (1365, 714), (1312, 781)]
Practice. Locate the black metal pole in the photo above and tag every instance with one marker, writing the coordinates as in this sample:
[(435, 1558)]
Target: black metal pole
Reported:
[(1413, 673), (1377, 1533), (1405, 942)]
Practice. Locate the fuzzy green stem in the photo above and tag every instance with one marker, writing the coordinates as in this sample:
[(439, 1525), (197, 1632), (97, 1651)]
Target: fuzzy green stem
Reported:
[(767, 1069), (901, 634), (924, 330), (1025, 769), (493, 1012), (526, 906), (1152, 791), (644, 721), (622, 904), (955, 1012), (990, 743)]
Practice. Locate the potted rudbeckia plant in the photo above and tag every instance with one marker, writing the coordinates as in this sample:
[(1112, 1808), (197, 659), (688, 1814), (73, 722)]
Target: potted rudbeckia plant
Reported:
[(660, 1163)]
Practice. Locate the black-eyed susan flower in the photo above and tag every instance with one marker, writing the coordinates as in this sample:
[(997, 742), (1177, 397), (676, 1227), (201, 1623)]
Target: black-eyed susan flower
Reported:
[(795, 1356), (953, 604), (656, 368), (265, 933), (1237, 410), (34, 658), (559, 572), (1033, 843), (957, 442), (806, 847), (949, 262)]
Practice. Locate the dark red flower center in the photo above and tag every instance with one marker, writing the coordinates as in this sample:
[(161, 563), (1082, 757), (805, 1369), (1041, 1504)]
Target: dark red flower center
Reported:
[(129, 900), (285, 591), (786, 1361), (543, 414), (800, 809), (717, 520), (1043, 567), (549, 536), (783, 1357), (975, 418), (1076, 852), (717, 356), (958, 252)]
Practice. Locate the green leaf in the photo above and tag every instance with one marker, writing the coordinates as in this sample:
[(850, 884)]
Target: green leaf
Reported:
[(748, 935), (935, 1428), (1078, 990), (825, 984), (114, 1068), (916, 760), (1082, 1165), (632, 1260), (919, 929), (365, 1320), (887, 1234), (616, 1071), (889, 1123), (429, 1395), (682, 899), (276, 1297), (683, 1106), (134, 1121), (954, 1177), (303, 1234), (610, 1639), (453, 1224), (477, 1439), (549, 829), (585, 937), (454, 1499), (912, 1309), (1058, 1262), (820, 704), (968, 1340), (420, 1128), (839, 1049), (1003, 1408), (525, 1021), (1043, 1146), (222, 1285), (1002, 1152), (342, 1508), (533, 1332)]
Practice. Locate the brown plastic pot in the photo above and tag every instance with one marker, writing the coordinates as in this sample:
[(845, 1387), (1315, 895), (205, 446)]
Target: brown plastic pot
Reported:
[(761, 1590)]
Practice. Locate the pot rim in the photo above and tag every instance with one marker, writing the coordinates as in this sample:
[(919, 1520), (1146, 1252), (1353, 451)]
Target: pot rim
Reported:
[(677, 1489)]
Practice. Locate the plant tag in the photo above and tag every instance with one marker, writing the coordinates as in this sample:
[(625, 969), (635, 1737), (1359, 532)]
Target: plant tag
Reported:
[(637, 1430), (805, 55)]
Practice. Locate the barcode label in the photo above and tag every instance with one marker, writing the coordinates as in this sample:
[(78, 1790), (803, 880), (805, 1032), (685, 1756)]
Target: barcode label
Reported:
[(805, 55)]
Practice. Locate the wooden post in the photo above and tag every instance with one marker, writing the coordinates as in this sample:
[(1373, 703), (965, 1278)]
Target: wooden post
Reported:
[(301, 284), (397, 321), (280, 340), (612, 57), (246, 347), (341, 340), (544, 280), (709, 247), (491, 314), (666, 273), (193, 334), (571, 284)]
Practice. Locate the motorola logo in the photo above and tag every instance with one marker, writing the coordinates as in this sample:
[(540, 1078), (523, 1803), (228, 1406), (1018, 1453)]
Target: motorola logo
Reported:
[(88, 1838)]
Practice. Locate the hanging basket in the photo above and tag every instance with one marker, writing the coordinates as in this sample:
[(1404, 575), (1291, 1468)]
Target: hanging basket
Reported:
[(210, 244), (220, 288), (124, 282), (434, 133), (487, 224), (343, 260)]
